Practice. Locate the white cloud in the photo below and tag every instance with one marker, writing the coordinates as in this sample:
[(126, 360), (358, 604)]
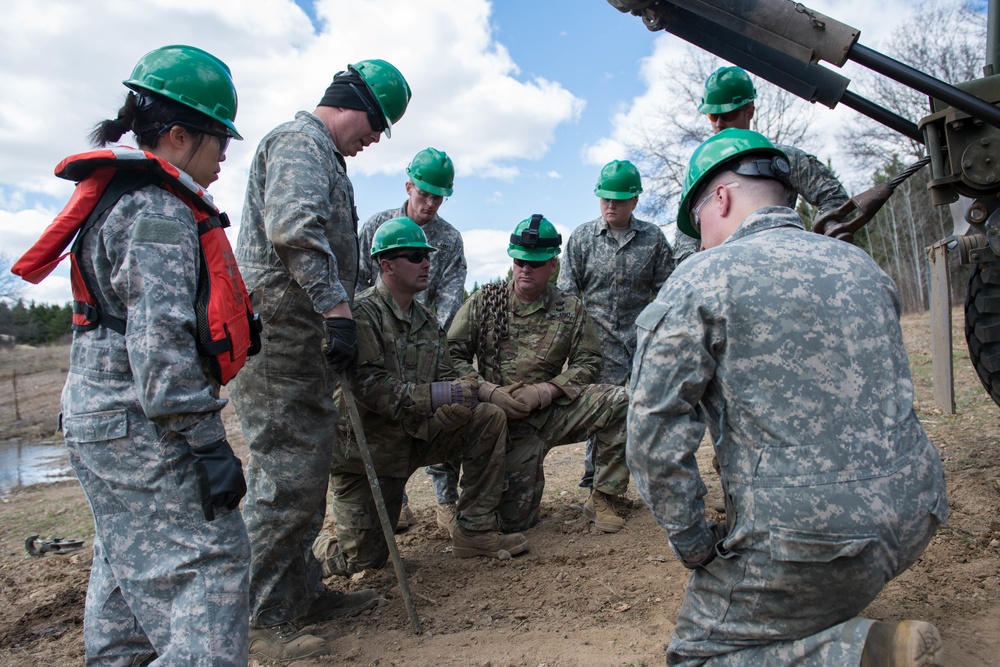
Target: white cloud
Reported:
[(62, 63), (876, 21), (486, 254)]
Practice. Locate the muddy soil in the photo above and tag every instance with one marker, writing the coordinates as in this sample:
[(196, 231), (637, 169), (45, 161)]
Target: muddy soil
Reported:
[(578, 598)]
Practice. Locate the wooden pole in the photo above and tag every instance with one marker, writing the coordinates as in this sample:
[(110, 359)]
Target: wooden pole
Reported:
[(941, 362)]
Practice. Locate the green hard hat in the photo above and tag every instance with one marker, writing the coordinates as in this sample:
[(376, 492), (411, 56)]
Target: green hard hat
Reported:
[(727, 89), (190, 76), (619, 180), (399, 233), (534, 239), (717, 150), (387, 86), (432, 171)]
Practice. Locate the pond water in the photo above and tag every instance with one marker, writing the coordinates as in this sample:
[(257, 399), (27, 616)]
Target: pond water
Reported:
[(25, 463)]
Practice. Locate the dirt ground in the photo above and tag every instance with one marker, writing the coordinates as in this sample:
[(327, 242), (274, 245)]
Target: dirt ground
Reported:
[(578, 598)]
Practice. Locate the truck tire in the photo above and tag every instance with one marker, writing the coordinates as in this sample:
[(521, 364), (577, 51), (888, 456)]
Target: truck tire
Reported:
[(982, 325)]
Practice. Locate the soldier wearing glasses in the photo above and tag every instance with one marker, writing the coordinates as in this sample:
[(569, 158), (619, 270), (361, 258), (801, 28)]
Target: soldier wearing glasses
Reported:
[(415, 410), (538, 356), (297, 250), (786, 345), (430, 180), (729, 102)]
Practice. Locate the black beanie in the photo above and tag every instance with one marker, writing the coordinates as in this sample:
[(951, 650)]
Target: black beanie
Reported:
[(345, 91)]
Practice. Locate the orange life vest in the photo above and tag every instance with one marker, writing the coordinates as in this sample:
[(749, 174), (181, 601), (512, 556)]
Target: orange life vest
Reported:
[(228, 329)]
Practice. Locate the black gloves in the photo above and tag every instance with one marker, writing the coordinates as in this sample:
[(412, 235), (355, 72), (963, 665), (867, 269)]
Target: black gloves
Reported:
[(341, 343), (220, 477)]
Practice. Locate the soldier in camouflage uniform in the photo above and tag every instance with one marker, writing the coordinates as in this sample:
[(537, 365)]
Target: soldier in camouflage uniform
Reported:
[(616, 264), (297, 249), (787, 346), (415, 410), (431, 179), (538, 354), (141, 412), (728, 102)]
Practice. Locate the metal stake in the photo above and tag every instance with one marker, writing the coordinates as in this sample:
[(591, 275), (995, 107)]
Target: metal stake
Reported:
[(383, 513)]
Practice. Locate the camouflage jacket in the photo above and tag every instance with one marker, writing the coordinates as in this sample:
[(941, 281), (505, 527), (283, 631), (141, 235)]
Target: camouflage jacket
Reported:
[(144, 261), (615, 282), (399, 356), (813, 181), (446, 285), (787, 346), (551, 339), (299, 220)]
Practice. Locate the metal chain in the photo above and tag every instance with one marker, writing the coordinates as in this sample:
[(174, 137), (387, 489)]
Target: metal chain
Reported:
[(495, 311)]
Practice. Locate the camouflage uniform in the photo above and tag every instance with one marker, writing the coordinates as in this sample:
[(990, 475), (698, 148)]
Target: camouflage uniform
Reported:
[(787, 345), (400, 356), (165, 583), (297, 250), (615, 279), (684, 246), (812, 180), (446, 285), (552, 340), (444, 294)]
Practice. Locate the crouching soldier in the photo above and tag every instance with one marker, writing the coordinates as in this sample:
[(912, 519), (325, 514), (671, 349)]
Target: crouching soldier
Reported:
[(538, 353), (415, 411)]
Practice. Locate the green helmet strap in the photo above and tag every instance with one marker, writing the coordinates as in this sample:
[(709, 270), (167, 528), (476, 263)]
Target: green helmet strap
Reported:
[(529, 237)]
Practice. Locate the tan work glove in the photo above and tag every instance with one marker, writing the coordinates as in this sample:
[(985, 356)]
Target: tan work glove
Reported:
[(503, 398), (452, 416), (470, 388), (535, 396)]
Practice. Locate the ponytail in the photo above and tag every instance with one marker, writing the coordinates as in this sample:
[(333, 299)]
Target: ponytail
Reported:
[(112, 130)]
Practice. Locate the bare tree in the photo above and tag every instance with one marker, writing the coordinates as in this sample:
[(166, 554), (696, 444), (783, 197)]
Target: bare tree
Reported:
[(954, 52), (662, 144), (10, 285)]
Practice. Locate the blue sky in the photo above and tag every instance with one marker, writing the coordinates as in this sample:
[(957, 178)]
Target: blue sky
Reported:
[(530, 98)]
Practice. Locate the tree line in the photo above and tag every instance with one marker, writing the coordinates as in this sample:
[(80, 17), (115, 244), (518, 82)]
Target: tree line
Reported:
[(35, 324)]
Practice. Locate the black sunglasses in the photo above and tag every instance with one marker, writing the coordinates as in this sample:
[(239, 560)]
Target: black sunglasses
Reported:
[(534, 265), (223, 138), (374, 116), (413, 256)]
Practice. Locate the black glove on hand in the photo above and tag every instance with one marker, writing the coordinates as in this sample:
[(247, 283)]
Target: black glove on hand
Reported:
[(341, 343), (220, 477)]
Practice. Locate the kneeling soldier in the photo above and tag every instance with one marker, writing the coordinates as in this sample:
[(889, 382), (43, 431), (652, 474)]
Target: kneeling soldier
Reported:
[(415, 411)]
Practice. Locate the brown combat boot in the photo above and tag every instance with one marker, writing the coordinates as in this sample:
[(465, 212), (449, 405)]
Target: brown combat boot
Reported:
[(332, 604), (406, 518), (599, 511), (902, 644), (467, 543), (285, 642), (447, 514)]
